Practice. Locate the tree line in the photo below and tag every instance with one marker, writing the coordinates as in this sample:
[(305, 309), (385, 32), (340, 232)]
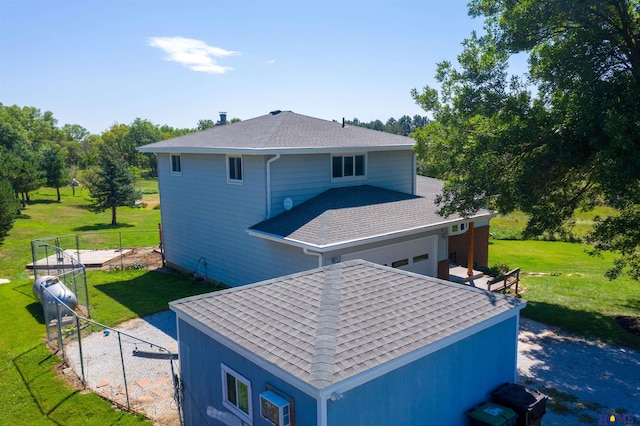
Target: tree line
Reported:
[(35, 151), (404, 126)]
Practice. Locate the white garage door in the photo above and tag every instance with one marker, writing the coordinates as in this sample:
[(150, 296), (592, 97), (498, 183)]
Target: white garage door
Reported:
[(416, 256)]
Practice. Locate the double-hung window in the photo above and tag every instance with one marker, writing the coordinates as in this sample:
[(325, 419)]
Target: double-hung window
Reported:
[(348, 166), (176, 167), (234, 169), (236, 394)]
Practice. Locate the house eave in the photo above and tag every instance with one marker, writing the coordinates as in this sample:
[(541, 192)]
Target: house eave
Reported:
[(270, 151), (324, 248)]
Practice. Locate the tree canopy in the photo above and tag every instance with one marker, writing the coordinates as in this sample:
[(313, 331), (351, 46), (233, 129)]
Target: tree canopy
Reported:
[(573, 143)]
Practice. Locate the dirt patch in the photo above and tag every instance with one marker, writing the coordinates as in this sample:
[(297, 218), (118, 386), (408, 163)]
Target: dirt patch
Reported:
[(137, 258), (630, 324)]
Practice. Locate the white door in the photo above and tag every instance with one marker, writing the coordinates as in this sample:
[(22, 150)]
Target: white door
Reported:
[(418, 256)]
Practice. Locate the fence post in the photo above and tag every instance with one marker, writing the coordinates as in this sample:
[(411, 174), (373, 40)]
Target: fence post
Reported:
[(84, 381), (59, 327), (35, 261), (177, 391), (78, 247), (124, 373), (121, 260)]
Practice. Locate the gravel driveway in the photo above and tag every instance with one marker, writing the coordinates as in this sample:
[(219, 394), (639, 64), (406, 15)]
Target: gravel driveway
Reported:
[(585, 380)]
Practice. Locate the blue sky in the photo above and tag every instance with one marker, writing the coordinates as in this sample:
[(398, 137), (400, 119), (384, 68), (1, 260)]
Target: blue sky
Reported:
[(94, 63)]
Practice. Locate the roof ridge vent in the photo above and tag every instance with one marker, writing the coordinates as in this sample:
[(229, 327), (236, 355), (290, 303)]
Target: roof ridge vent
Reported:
[(276, 112)]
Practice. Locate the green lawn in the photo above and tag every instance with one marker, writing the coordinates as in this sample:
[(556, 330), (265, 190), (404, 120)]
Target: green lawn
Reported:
[(567, 290), (564, 286), (32, 392)]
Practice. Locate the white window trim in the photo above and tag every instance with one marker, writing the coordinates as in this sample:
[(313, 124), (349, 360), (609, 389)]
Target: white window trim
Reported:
[(459, 231), (235, 181), (229, 405), (349, 178), (173, 172)]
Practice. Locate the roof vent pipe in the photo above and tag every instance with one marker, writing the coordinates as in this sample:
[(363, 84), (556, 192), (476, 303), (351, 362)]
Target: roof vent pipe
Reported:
[(343, 122)]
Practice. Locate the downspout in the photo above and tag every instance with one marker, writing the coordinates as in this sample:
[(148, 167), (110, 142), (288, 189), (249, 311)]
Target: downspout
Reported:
[(314, 253), (415, 174), (322, 411), (269, 161)]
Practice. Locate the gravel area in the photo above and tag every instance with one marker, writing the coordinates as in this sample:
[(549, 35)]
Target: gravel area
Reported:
[(585, 380)]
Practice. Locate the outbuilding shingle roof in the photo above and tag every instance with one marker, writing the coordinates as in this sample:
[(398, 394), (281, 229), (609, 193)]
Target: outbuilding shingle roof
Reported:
[(281, 132), (329, 324), (345, 215)]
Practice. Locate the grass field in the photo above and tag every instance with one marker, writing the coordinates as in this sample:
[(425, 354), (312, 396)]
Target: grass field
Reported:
[(33, 393), (563, 286)]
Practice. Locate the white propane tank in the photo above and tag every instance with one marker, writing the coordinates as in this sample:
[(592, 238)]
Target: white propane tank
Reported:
[(55, 288)]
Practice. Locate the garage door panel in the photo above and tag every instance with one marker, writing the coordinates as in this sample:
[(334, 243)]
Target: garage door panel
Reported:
[(416, 255)]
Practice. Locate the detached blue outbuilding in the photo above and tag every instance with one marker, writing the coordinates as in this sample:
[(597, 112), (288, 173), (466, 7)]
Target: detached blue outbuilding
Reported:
[(354, 343)]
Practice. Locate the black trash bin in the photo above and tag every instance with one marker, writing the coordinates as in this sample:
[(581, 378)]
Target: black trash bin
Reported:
[(529, 404)]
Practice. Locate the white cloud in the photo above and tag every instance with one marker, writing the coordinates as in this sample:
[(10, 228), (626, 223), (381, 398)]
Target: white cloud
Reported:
[(193, 54), (270, 61)]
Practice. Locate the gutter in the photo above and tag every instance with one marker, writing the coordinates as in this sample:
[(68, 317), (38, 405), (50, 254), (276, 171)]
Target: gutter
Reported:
[(357, 242), (269, 161), (313, 253)]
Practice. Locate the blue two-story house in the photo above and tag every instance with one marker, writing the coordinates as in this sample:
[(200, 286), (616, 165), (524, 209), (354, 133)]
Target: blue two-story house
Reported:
[(284, 193)]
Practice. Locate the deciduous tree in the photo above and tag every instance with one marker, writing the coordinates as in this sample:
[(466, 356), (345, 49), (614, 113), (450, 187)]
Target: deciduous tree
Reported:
[(53, 165), (8, 207), (575, 142)]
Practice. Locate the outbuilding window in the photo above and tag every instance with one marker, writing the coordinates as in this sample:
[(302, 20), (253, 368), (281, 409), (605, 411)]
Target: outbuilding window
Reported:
[(236, 394), (234, 169), (176, 167), (348, 166)]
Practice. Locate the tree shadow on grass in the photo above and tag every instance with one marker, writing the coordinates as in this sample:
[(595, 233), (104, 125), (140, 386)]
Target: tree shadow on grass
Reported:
[(102, 227), (39, 201), (591, 325)]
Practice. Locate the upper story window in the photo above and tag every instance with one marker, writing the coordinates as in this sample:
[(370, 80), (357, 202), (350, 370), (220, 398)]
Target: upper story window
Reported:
[(234, 169), (176, 167), (348, 166), (236, 394)]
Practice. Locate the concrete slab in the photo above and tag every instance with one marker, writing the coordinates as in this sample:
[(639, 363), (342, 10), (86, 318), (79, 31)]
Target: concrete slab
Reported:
[(90, 259)]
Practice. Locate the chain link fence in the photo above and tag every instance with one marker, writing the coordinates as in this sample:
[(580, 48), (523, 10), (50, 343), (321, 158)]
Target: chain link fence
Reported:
[(134, 373)]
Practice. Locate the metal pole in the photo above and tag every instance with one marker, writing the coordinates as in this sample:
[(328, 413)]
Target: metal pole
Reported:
[(35, 261), (59, 327), (78, 248), (124, 373), (177, 397), (84, 381), (121, 262)]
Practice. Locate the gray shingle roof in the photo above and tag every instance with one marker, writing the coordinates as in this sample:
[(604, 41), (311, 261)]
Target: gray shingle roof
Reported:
[(282, 132), (341, 215), (329, 324)]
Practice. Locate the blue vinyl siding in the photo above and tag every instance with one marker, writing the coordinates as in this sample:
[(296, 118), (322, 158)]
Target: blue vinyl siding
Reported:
[(302, 177), (200, 360), (436, 389), (205, 218)]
